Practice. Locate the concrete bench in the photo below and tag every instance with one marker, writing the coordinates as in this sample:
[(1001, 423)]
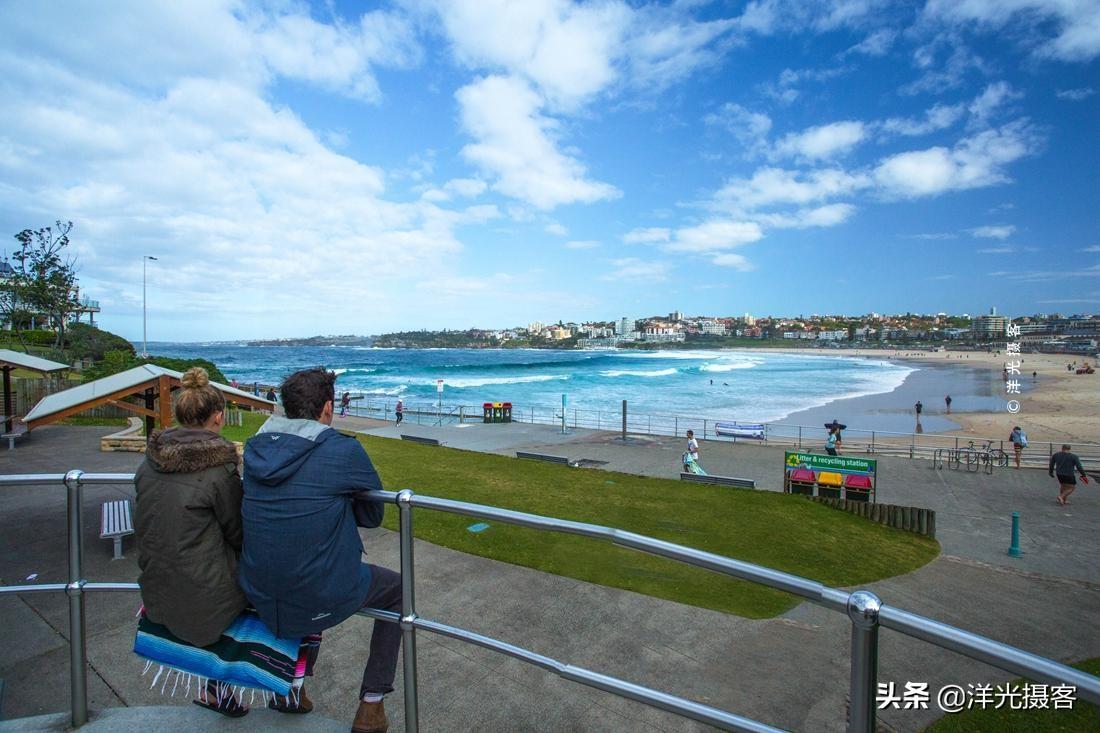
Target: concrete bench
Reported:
[(420, 440), (115, 523), (18, 430), (741, 483), (543, 457)]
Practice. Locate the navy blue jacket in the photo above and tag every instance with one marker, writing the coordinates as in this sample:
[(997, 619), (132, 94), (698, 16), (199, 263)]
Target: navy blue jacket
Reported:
[(304, 499)]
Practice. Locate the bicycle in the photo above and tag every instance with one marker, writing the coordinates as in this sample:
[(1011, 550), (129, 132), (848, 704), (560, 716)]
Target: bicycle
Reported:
[(987, 455)]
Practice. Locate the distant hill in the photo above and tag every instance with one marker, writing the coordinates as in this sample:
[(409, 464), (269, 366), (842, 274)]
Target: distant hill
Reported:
[(316, 341)]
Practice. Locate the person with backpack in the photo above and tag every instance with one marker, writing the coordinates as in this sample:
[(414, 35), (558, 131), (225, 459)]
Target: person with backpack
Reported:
[(1019, 441)]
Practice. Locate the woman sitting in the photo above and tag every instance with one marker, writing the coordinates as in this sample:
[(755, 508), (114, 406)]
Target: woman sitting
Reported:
[(188, 526)]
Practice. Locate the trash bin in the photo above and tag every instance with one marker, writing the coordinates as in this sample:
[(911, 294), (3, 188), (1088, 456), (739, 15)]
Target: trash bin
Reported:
[(487, 409), (507, 411), (498, 412)]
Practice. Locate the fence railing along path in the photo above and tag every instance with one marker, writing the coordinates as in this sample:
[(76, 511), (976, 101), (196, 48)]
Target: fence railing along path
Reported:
[(802, 437), (864, 609)]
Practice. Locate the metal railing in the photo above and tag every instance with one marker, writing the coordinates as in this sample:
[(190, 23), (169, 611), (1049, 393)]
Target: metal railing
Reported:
[(802, 437), (864, 609)]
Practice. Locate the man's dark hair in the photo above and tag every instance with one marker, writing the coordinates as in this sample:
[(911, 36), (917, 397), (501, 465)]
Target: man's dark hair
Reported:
[(306, 392)]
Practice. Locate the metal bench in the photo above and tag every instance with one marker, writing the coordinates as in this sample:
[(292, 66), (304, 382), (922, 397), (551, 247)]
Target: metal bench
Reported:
[(543, 457), (18, 430), (741, 483), (116, 522), (421, 441)]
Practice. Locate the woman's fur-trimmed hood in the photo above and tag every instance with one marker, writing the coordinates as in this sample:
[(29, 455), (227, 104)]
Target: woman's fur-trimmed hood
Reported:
[(186, 450)]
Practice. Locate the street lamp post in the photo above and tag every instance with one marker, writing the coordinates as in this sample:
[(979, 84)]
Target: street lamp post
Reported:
[(144, 332)]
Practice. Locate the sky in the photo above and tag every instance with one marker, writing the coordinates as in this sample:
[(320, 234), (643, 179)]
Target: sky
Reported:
[(345, 167)]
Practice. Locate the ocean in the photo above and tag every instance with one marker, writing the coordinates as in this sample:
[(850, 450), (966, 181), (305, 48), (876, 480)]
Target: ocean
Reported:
[(746, 386)]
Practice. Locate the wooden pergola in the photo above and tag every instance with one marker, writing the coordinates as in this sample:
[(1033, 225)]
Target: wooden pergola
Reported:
[(152, 385), (12, 360)]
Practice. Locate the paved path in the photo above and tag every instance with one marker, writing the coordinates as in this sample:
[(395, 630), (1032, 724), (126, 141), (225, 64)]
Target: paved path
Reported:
[(791, 671)]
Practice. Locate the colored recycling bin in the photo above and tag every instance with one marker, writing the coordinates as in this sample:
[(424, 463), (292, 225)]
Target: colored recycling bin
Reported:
[(498, 412), (487, 411), (506, 411)]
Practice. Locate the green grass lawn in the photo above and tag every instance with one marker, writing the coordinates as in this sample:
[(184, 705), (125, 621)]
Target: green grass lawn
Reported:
[(1084, 717), (252, 423), (779, 531)]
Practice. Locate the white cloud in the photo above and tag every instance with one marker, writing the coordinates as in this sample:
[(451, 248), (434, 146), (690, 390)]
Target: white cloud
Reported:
[(777, 186), (582, 244), (750, 128), (665, 47), (829, 215), (1075, 23), (1092, 248), (989, 102), (939, 117), (996, 250), (515, 144), (715, 235), (974, 162), (766, 17), (732, 259), (1075, 95), (822, 142), (634, 269), (876, 44), (556, 229), (1002, 231), (950, 74), (647, 235)]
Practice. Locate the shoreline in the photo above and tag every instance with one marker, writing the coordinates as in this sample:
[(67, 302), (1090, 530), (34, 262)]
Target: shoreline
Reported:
[(1058, 405)]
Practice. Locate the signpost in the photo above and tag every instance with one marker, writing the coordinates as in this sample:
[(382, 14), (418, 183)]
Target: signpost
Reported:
[(828, 476)]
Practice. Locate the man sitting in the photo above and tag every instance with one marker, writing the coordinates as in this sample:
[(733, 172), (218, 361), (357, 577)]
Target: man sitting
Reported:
[(305, 496)]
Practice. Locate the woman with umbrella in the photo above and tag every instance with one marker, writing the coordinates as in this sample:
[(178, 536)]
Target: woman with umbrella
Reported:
[(832, 446)]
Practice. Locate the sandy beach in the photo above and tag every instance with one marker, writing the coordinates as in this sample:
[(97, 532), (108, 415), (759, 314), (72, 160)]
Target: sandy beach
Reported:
[(1057, 405)]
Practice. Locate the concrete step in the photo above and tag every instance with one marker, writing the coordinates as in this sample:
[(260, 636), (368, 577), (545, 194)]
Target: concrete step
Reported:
[(173, 718)]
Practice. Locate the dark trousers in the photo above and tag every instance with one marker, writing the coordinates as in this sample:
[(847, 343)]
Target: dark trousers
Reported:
[(385, 641), (400, 417)]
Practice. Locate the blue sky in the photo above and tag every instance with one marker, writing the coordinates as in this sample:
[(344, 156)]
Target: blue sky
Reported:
[(302, 169)]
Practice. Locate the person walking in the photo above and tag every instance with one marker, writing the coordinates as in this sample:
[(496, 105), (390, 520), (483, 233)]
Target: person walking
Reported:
[(400, 411), (919, 408), (307, 491), (947, 401), (1062, 465), (691, 455), (831, 442), (1019, 441), (345, 402), (270, 396)]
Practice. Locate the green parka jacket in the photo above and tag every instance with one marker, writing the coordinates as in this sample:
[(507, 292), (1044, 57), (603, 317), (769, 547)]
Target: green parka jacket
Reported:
[(188, 526)]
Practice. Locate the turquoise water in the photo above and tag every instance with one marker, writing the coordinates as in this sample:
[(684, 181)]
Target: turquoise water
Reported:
[(747, 386)]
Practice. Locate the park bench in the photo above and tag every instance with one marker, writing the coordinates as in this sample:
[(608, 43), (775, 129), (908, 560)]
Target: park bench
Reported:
[(18, 430), (420, 440), (543, 457), (116, 522), (741, 483)]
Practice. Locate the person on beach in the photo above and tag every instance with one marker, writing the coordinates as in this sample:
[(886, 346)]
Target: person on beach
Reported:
[(692, 452), (188, 526), (345, 402), (306, 493), (270, 396), (400, 411), (1019, 442), (1062, 464), (919, 408), (947, 401)]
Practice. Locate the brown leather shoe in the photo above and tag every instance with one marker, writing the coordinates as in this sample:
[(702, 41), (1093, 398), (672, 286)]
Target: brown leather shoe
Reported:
[(297, 702), (370, 718)]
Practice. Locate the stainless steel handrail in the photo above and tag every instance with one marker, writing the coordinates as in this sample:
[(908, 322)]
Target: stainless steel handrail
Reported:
[(865, 611)]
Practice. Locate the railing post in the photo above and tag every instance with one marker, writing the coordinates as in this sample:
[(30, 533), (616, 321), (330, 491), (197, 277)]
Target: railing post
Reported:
[(912, 443), (676, 427), (863, 610), (408, 611), (78, 678), (800, 437)]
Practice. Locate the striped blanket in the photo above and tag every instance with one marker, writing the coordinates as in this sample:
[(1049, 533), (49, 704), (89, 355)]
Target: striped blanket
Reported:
[(247, 656)]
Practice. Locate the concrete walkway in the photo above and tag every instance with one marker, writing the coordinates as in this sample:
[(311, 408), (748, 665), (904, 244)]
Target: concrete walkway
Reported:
[(791, 671)]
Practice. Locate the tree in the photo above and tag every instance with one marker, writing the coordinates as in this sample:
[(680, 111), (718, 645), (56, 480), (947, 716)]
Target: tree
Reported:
[(42, 280)]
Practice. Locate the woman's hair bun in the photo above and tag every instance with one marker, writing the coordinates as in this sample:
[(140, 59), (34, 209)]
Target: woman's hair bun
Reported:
[(195, 378)]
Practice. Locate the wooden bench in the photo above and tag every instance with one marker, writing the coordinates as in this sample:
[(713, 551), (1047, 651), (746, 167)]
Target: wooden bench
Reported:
[(543, 457), (421, 441), (116, 522), (18, 430), (741, 483)]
